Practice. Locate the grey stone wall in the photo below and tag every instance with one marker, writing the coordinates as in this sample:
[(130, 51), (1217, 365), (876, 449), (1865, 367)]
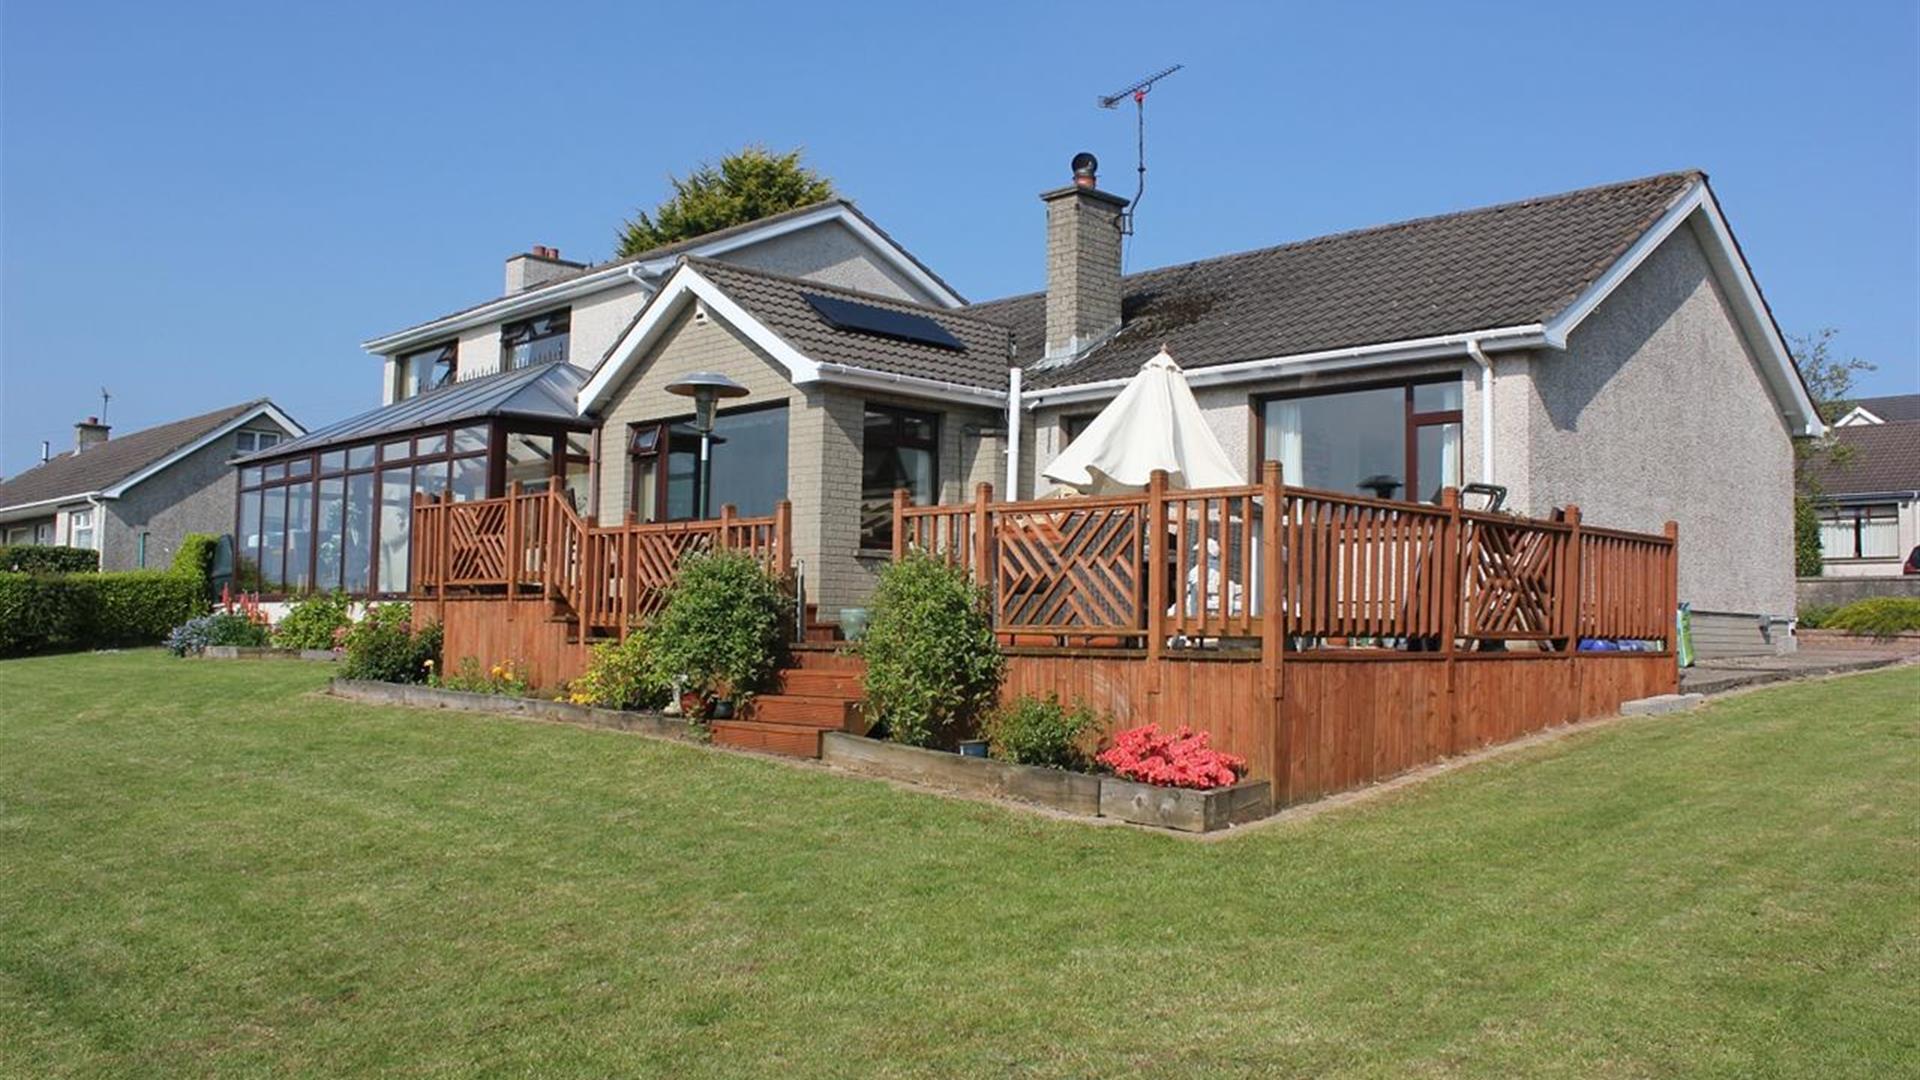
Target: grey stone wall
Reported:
[(1083, 268), (195, 494), (1835, 591), (1657, 411)]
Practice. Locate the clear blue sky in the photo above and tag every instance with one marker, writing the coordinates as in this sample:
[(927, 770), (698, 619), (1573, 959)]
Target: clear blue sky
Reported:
[(203, 203)]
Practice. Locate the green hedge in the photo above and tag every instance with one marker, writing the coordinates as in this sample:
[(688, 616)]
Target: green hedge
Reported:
[(41, 612), (45, 559)]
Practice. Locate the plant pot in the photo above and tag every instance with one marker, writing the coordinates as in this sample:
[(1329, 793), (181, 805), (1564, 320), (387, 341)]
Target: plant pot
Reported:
[(692, 705), (973, 748), (853, 623), (721, 710)]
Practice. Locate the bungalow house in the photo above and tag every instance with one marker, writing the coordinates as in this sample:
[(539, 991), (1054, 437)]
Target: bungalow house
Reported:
[(1870, 492), (133, 498), (1563, 349)]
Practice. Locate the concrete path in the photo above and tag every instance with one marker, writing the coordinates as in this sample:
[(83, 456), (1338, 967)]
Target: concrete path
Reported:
[(1719, 676)]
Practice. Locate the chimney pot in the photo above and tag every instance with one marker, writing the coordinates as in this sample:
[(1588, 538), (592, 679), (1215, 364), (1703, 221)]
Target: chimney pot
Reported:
[(539, 265)]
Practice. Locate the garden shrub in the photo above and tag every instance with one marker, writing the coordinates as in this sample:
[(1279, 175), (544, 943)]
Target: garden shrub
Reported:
[(1181, 759), (40, 612), (195, 558), (1815, 617), (48, 559), (314, 623), (1879, 616), (1041, 731), (933, 666), (723, 627), (384, 647), (501, 678), (619, 675), (219, 628)]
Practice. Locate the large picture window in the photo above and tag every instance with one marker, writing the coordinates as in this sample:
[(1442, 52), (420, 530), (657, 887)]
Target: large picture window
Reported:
[(1386, 441), (748, 463), (1860, 532), (539, 340), (902, 450)]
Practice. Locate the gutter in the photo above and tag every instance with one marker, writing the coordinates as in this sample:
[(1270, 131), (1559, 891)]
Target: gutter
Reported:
[(844, 375), (1486, 408), (506, 307), (1531, 335)]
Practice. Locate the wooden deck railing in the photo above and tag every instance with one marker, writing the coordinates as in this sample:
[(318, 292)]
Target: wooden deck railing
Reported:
[(535, 545), (1325, 571)]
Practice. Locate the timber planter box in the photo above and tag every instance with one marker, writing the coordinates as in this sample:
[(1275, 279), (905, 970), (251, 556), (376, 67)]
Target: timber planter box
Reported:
[(1075, 793), (252, 652), (1072, 792), (429, 697), (1186, 809)]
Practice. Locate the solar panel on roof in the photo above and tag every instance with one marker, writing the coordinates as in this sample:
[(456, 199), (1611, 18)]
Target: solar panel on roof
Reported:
[(867, 319)]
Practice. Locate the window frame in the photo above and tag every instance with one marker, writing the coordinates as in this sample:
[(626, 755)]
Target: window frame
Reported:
[(559, 325), (1413, 421), (874, 542), (1855, 516), (662, 448), (449, 351), (74, 528)]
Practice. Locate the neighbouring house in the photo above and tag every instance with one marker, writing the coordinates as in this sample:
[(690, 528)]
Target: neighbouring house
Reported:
[(133, 497), (1869, 489), (1607, 347), (479, 400)]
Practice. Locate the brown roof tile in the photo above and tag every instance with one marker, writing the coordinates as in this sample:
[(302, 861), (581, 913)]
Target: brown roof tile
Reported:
[(110, 462), (1876, 458)]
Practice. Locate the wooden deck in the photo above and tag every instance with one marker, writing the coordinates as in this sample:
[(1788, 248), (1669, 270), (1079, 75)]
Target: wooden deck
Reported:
[(1330, 639)]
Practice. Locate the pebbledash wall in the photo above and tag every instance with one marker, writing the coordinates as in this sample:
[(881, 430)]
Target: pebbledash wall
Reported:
[(194, 494), (825, 447), (1656, 411)]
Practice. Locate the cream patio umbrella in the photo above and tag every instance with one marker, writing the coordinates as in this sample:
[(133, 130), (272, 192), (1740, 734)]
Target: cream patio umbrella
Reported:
[(1153, 424), (1156, 424)]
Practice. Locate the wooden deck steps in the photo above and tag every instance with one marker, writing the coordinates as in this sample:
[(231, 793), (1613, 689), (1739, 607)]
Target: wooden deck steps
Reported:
[(819, 691)]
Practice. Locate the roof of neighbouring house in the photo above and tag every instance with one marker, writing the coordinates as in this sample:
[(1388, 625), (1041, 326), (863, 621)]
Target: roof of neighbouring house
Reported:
[(1874, 459), (1893, 407), (104, 465), (543, 392), (1513, 264), (692, 244)]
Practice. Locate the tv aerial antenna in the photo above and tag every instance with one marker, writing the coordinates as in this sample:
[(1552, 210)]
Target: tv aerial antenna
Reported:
[(1138, 92), (104, 398)]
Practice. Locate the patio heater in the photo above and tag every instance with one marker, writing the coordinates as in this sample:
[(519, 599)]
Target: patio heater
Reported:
[(706, 388)]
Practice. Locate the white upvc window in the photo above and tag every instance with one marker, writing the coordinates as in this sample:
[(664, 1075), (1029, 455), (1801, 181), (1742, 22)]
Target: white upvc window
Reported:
[(249, 441), (1860, 532), (80, 529)]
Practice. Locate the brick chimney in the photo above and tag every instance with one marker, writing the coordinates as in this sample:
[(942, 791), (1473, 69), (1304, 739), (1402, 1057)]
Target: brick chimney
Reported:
[(89, 432), (537, 267), (1083, 262)]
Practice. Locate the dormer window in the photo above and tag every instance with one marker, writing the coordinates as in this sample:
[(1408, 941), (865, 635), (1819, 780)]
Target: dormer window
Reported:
[(428, 369), (539, 340)]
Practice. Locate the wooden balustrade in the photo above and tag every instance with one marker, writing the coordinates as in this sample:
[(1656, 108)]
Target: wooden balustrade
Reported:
[(609, 577), (1286, 568)]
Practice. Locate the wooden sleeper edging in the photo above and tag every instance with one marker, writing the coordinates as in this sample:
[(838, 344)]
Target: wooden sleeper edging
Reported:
[(260, 652), (430, 697)]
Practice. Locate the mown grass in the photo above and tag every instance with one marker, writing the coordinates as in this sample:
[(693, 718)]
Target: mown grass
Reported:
[(207, 870)]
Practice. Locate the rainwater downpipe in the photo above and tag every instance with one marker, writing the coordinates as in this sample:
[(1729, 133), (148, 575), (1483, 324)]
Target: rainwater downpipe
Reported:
[(1486, 409), (1012, 493)]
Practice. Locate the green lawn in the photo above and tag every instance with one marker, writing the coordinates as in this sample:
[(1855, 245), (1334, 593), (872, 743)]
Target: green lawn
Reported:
[(204, 869)]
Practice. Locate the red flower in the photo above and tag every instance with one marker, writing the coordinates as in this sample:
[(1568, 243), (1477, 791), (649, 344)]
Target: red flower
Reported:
[(1181, 759)]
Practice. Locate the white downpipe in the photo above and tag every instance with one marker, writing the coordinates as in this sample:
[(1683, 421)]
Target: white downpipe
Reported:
[(1012, 493), (1486, 409)]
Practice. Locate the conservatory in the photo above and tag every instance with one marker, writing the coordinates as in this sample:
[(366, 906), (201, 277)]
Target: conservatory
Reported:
[(332, 510)]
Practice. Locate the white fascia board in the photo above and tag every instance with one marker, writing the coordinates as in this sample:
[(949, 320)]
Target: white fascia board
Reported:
[(869, 379), (1858, 416), (1736, 280), (1561, 326), (539, 299), (507, 307), (682, 288), (269, 410), (1497, 339), (21, 510)]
